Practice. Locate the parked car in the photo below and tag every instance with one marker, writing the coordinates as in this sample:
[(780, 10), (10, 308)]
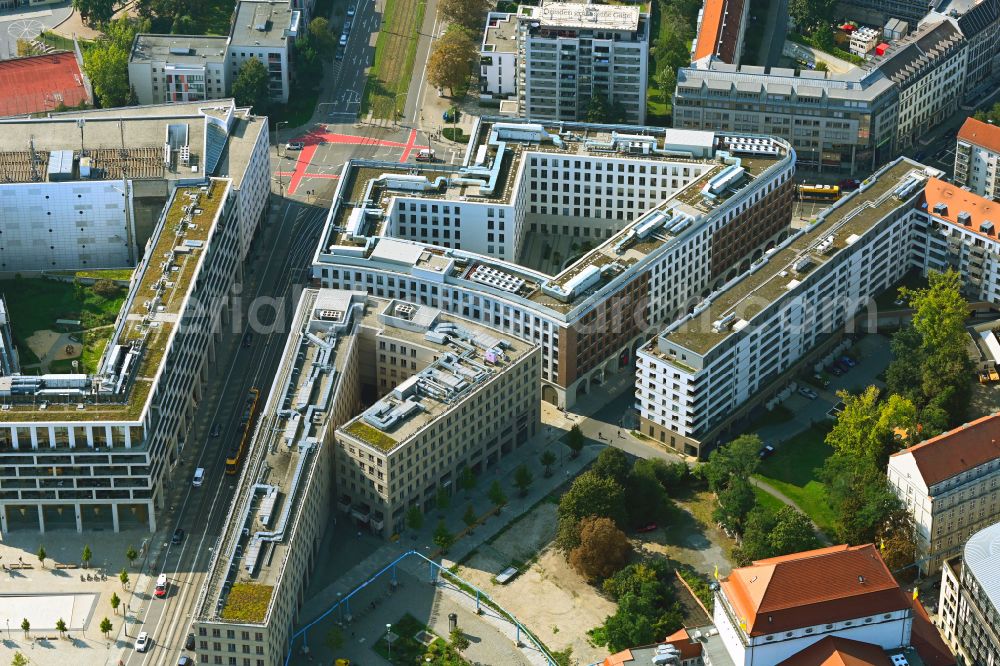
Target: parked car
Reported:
[(347, 25), (339, 55), (216, 430), (648, 527), (142, 642), (850, 362), (841, 365), (834, 370), (189, 642), (766, 451), (343, 40), (185, 661), (178, 536), (294, 145), (808, 392), (350, 11)]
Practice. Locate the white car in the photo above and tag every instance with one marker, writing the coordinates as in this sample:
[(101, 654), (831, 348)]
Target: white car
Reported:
[(808, 392), (350, 11), (142, 642)]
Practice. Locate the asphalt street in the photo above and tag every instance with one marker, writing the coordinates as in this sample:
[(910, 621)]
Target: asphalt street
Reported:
[(281, 255)]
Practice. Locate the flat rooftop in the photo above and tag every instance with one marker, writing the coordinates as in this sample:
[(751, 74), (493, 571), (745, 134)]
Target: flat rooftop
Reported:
[(583, 16), (263, 23), (157, 297), (284, 453), (500, 35), (496, 157), (852, 216), (38, 84), (470, 356), (178, 49)]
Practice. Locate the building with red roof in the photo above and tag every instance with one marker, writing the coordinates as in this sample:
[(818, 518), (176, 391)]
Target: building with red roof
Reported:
[(39, 84), (949, 482), (977, 150), (721, 26)]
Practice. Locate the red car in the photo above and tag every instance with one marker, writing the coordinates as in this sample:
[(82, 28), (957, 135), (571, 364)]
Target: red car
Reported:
[(648, 527)]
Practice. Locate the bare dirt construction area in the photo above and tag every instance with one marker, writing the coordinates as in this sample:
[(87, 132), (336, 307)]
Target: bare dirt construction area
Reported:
[(42, 341), (571, 605), (690, 537)]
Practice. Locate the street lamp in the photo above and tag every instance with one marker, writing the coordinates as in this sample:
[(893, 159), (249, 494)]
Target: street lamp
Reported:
[(277, 137), (388, 638)]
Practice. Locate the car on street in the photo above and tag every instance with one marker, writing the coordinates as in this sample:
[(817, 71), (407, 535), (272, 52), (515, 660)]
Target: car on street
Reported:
[(343, 40), (766, 451), (178, 536), (216, 430), (347, 25), (189, 642), (808, 392), (248, 340), (161, 586), (339, 55), (142, 642), (648, 527), (185, 661), (350, 11), (294, 145)]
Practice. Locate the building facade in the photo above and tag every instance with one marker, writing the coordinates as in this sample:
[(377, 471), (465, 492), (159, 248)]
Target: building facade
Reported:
[(977, 151), (970, 602), (265, 30), (949, 486), (660, 220), (178, 68), (565, 55)]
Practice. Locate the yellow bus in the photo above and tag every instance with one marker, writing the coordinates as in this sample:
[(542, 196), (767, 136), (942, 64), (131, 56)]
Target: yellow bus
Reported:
[(819, 193)]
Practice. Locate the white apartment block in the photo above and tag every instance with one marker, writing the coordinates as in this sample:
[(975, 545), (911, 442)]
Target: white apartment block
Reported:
[(969, 608), (178, 68), (453, 395), (565, 54), (95, 451), (265, 30), (662, 218), (774, 609), (977, 152), (498, 57), (949, 485)]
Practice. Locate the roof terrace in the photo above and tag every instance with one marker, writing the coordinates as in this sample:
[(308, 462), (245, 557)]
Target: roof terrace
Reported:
[(775, 274), (500, 35)]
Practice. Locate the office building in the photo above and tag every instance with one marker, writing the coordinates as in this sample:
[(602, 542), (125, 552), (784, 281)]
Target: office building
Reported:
[(969, 606), (639, 226), (95, 450), (453, 395), (949, 486), (43, 83), (977, 152), (265, 30), (178, 68), (879, 12), (566, 54), (980, 25)]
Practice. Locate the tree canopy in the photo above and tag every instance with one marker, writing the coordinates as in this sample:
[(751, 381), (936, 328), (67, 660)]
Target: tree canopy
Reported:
[(590, 495), (770, 534), (106, 62), (603, 549), (250, 88), (469, 14), (95, 12), (450, 62), (647, 610), (603, 110), (728, 472), (612, 464)]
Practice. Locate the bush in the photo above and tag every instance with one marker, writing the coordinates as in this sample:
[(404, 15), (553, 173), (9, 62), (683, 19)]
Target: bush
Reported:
[(455, 134)]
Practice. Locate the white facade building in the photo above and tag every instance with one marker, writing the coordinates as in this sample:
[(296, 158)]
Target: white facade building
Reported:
[(178, 68), (977, 153), (660, 220), (498, 57), (970, 599), (773, 609), (265, 30)]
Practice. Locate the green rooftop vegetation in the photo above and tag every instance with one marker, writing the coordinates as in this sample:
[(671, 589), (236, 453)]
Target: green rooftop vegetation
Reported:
[(247, 602), (371, 435)]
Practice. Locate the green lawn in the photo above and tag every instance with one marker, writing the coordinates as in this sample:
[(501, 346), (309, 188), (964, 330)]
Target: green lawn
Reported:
[(395, 53), (792, 470), (63, 43), (768, 501)]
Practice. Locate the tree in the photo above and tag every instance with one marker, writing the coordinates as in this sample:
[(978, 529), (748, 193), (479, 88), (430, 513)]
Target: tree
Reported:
[(469, 14), (666, 81), (61, 627), (738, 459), (575, 440), (755, 544), (735, 501), (822, 67), (603, 549), (442, 499), (25, 626), (106, 62), (450, 63), (86, 556), (414, 518), (458, 639), (320, 36), (548, 459), (590, 495), (808, 13), (469, 517), (19, 660), (603, 110), (497, 495), (857, 431), (24, 48), (612, 464), (522, 479), (106, 288), (467, 480), (131, 555), (123, 577), (442, 537), (42, 555), (647, 605), (897, 540), (671, 476), (95, 12), (106, 627), (645, 498), (860, 495), (251, 88), (115, 602), (792, 533)]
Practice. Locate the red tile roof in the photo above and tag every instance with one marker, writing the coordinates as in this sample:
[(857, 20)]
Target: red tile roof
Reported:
[(982, 134), (957, 200), (719, 29), (926, 639), (680, 639), (951, 453), (815, 587), (690, 649), (837, 651), (39, 83), (618, 659)]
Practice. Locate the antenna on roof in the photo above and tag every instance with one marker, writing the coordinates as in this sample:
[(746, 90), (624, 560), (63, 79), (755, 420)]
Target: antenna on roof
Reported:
[(80, 122), (34, 159)]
